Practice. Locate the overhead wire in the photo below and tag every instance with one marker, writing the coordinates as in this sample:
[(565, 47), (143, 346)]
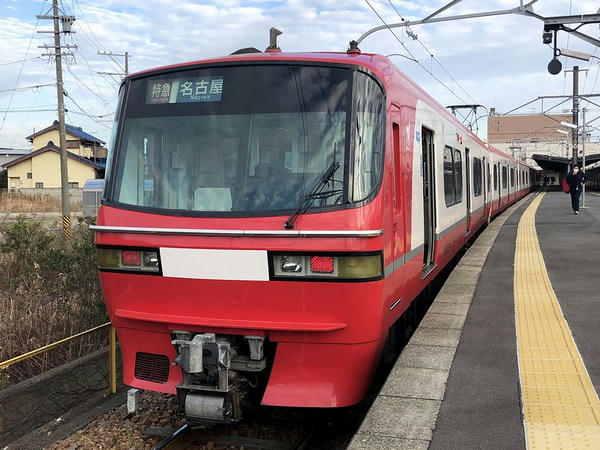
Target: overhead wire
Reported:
[(413, 56), (36, 96), (75, 40), (22, 65), (568, 38), (82, 84), (98, 44), (93, 119), (27, 88), (20, 61), (416, 37)]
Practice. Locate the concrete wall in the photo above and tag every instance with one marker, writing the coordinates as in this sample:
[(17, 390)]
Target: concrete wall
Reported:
[(75, 194), (45, 168)]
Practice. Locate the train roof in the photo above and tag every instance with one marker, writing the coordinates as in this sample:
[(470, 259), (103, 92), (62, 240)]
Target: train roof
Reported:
[(378, 64)]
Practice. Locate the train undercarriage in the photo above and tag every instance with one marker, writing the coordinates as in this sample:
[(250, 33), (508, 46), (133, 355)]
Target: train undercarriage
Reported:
[(219, 372)]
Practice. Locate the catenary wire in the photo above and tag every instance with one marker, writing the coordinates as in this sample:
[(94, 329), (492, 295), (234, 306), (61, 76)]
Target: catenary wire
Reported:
[(413, 56), (430, 53), (22, 65)]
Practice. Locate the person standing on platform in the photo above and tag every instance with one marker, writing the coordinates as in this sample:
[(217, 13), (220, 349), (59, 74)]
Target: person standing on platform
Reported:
[(575, 181)]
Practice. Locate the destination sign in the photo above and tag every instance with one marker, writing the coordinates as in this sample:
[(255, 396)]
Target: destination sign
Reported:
[(185, 90)]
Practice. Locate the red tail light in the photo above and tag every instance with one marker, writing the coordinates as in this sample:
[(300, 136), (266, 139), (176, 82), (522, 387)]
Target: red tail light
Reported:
[(321, 264), (131, 257)]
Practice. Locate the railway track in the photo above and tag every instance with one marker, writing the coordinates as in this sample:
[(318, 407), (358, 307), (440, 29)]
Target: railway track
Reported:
[(273, 428), (187, 438)]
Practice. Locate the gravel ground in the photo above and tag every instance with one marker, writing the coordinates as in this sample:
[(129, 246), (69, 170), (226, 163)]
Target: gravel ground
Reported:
[(118, 430)]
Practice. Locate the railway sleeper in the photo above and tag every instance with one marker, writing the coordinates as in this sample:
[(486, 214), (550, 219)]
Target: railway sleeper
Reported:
[(216, 374)]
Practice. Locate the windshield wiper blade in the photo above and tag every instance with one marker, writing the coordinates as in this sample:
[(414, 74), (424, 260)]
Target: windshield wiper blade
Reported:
[(312, 195)]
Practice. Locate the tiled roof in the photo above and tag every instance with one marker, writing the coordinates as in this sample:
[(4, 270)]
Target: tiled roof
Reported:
[(72, 130), (53, 148), (13, 151)]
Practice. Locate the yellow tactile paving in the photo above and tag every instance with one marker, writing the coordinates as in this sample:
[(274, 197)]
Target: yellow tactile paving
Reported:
[(561, 409)]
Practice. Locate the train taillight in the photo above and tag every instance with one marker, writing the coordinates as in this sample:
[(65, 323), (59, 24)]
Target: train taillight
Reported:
[(334, 267), (128, 260)]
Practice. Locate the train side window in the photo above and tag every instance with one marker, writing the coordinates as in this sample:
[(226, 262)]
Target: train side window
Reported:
[(458, 175), (489, 184), (448, 176), (397, 166), (477, 177), (504, 178), (512, 177), (495, 177)]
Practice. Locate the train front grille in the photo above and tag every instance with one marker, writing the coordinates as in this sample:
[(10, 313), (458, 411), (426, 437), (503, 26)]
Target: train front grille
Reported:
[(151, 367)]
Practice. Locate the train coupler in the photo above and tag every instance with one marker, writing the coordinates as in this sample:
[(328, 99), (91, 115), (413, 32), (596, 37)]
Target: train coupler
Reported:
[(210, 390)]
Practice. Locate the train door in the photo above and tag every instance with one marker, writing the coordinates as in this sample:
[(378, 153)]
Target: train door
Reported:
[(488, 212), (399, 241), (428, 198), (468, 188)]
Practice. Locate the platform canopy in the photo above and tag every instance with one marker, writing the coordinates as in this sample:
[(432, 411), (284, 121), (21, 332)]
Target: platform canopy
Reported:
[(562, 164)]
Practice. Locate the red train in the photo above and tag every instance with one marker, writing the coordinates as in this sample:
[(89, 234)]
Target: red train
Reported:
[(269, 217)]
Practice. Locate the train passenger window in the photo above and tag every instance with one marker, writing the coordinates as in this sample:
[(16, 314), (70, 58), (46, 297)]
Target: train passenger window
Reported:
[(477, 177), (452, 176), (512, 177), (504, 178), (495, 177), (368, 156), (458, 175), (448, 176), (489, 185)]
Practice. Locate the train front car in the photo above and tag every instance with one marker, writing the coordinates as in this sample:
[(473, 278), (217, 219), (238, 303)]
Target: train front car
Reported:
[(240, 241)]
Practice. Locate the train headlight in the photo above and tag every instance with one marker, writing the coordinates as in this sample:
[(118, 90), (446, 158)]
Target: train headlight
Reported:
[(334, 267), (356, 267), (292, 264), (128, 260)]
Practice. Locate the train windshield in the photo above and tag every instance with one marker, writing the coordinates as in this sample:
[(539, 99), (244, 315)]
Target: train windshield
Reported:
[(247, 139)]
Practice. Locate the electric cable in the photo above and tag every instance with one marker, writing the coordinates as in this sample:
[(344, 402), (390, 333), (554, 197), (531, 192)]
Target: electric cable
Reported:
[(413, 56), (22, 65), (416, 37)]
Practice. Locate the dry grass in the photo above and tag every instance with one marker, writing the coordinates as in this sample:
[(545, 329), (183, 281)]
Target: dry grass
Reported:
[(49, 290), (14, 202)]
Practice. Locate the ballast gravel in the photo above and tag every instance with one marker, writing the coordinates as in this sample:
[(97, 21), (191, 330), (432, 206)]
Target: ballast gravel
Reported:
[(118, 430), (159, 412)]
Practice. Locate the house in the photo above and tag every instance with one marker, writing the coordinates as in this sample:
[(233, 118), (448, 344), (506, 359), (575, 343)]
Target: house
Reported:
[(40, 169), (79, 142), (9, 154), (523, 135)]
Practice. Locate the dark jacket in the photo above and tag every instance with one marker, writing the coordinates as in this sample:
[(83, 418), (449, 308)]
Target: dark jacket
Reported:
[(574, 181)]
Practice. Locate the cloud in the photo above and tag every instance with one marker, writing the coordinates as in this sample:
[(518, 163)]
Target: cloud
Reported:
[(500, 61)]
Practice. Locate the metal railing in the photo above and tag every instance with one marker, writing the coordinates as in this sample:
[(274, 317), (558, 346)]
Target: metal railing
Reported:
[(112, 353)]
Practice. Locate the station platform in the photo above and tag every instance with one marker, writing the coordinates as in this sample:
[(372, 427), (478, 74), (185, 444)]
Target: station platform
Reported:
[(507, 355)]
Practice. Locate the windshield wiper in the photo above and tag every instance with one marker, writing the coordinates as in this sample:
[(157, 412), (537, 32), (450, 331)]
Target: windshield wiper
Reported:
[(312, 195)]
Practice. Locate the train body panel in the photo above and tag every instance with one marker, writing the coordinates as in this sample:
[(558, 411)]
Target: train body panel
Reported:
[(229, 284)]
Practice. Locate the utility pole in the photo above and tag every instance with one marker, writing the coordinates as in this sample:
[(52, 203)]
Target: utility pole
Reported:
[(583, 150), (124, 68), (574, 134), (64, 179)]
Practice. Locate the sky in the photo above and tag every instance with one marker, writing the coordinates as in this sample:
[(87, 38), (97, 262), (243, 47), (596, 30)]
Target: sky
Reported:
[(497, 61)]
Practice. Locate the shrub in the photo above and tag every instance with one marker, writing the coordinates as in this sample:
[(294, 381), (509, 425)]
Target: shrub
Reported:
[(49, 290)]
